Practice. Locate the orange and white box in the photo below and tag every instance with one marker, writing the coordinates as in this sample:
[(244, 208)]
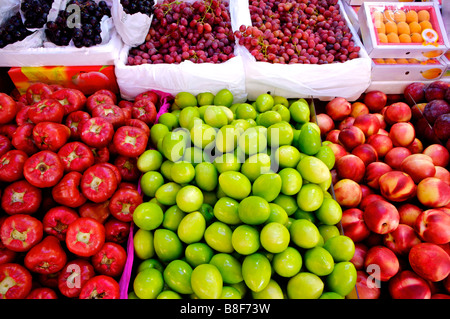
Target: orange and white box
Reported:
[(403, 30), (445, 59), (407, 69)]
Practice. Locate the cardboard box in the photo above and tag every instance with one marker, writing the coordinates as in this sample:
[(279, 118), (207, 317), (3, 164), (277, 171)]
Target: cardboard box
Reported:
[(434, 42), (445, 59), (87, 79), (407, 69)]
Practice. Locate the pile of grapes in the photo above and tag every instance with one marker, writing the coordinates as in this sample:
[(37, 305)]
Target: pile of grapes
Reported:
[(135, 6), (199, 32), (297, 31), (35, 12), (13, 30), (87, 34)]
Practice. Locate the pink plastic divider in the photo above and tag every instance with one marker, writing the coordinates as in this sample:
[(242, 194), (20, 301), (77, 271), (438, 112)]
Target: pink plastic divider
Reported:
[(125, 279)]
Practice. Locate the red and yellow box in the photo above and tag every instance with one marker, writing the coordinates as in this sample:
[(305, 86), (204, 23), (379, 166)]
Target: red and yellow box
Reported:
[(87, 79)]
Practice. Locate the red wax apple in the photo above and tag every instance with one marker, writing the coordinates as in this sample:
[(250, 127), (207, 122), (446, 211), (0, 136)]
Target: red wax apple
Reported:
[(57, 219), (50, 136), (96, 132), (20, 280), (130, 141), (8, 108), (70, 99), (73, 277), (110, 260), (97, 99), (37, 92), (11, 165), (112, 113), (23, 139), (47, 257), (67, 192), (85, 236), (20, 232), (98, 183), (21, 197), (46, 110), (100, 287), (43, 169)]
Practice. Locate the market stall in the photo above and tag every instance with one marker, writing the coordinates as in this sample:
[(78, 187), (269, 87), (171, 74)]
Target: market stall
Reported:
[(217, 149)]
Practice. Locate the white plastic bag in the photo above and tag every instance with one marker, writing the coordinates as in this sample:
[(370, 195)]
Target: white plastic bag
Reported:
[(184, 77), (348, 80), (132, 28)]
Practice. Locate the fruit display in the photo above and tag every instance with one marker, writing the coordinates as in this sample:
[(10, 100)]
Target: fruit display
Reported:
[(13, 30), (237, 204), (199, 32), (88, 33), (394, 189), (306, 32), (142, 6), (68, 174)]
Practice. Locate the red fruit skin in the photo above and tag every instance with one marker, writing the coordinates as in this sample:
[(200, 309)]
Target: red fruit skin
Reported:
[(98, 211), (73, 277), (144, 110), (43, 169), (21, 232), (96, 132), (57, 219), (23, 139), (384, 262), (100, 287), (112, 113), (73, 121), (67, 192), (11, 165), (81, 244), (20, 278), (50, 136), (128, 168), (42, 293), (37, 92), (110, 260), (76, 156), (47, 257), (408, 285), (21, 198), (123, 203), (98, 183), (70, 99), (97, 99), (46, 110), (401, 240), (116, 230), (429, 261), (130, 141), (8, 108), (433, 225)]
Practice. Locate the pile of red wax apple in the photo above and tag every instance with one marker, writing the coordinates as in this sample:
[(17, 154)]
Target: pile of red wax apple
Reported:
[(394, 189), (68, 177)]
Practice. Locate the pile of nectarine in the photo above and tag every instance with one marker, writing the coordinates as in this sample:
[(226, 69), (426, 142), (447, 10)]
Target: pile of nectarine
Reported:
[(394, 188)]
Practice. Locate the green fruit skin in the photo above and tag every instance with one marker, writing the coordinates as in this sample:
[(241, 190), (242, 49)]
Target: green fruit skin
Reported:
[(271, 291), (168, 246), (148, 283), (235, 184), (309, 141), (267, 186), (206, 176), (343, 278), (256, 271), (325, 265), (305, 285), (206, 281), (143, 244), (230, 268), (191, 228), (177, 275)]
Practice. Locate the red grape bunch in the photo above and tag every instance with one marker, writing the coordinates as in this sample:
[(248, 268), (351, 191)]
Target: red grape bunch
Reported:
[(293, 31), (199, 32)]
